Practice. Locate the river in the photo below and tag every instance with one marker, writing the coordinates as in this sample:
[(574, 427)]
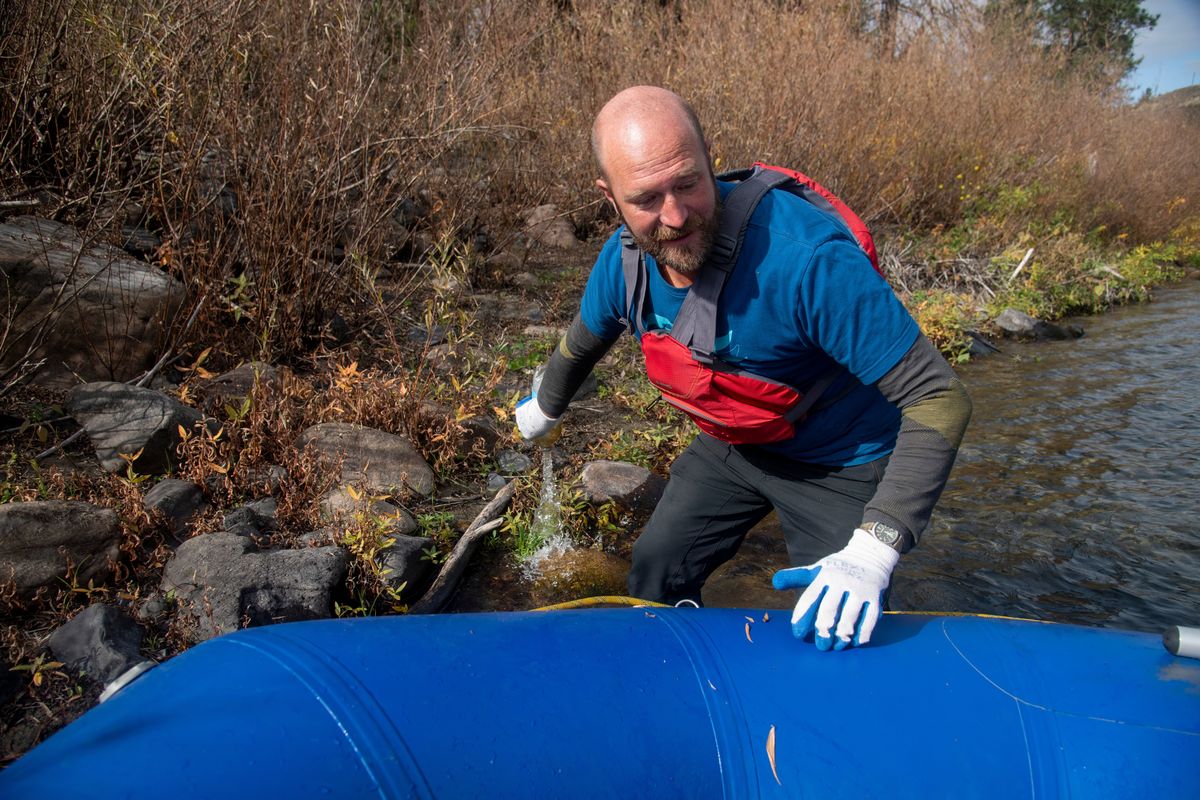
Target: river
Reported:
[(1074, 497)]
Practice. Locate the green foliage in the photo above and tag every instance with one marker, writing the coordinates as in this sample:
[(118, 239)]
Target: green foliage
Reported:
[(1087, 30)]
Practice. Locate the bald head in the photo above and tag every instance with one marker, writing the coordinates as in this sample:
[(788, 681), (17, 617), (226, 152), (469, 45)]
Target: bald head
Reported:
[(638, 116)]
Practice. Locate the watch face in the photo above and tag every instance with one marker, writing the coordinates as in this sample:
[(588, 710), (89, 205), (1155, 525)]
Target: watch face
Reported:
[(886, 533)]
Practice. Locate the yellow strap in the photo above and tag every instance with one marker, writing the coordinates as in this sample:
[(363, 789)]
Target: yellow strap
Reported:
[(603, 600)]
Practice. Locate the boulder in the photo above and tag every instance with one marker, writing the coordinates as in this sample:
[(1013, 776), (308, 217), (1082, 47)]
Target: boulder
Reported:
[(221, 583), (238, 383), (405, 564), (628, 485), (106, 314), (252, 518), (340, 504), (100, 641), (40, 540), (547, 226), (1019, 325), (122, 419), (380, 462), (178, 500)]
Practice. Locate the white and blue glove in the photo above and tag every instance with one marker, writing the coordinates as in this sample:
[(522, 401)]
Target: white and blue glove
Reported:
[(534, 425), (844, 594)]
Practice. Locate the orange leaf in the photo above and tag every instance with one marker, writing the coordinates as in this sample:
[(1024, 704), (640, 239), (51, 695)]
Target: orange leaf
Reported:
[(748, 639)]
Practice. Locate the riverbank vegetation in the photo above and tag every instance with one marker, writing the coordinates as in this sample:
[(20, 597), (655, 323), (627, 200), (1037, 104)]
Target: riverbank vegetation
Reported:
[(325, 179)]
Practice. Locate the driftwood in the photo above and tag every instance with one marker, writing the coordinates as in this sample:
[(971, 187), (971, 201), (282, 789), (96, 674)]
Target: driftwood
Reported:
[(447, 580)]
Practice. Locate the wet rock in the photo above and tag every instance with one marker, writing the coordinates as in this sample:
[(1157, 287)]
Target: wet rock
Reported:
[(99, 641), (513, 463), (633, 487), (547, 226), (382, 463), (121, 419), (575, 574), (405, 565), (221, 583), (1019, 325), (178, 500), (980, 345), (99, 313), (39, 538)]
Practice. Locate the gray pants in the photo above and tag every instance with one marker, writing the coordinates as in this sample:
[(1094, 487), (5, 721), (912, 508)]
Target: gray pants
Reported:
[(718, 492)]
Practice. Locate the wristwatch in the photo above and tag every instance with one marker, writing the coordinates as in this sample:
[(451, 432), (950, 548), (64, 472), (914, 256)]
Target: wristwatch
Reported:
[(886, 534)]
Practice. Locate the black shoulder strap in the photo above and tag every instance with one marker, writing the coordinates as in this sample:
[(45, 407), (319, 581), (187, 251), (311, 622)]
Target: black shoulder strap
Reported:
[(695, 324)]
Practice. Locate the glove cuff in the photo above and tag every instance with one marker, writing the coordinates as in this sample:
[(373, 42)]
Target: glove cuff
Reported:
[(865, 546)]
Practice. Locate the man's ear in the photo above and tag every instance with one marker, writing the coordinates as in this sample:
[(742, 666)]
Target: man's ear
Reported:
[(603, 186)]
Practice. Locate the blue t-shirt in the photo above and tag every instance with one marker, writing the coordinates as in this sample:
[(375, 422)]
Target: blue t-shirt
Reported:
[(802, 296)]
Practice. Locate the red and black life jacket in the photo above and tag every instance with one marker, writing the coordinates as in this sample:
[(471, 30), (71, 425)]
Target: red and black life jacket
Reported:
[(727, 402)]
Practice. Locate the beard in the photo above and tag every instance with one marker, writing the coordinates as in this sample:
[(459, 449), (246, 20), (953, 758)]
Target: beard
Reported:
[(686, 260)]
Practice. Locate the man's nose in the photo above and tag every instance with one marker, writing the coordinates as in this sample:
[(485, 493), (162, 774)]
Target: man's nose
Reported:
[(673, 213)]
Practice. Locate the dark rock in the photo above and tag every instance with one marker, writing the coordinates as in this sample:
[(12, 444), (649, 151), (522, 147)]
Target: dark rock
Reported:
[(266, 479), (11, 684), (221, 583), (100, 641), (405, 564), (496, 482), (513, 463), (121, 419), (1019, 325), (152, 608), (628, 485), (92, 310), (251, 519), (382, 463), (479, 433), (238, 383), (980, 346), (139, 241), (39, 538), (178, 500)]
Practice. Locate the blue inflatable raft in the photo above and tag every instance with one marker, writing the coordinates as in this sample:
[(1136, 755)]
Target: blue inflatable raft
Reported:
[(638, 702)]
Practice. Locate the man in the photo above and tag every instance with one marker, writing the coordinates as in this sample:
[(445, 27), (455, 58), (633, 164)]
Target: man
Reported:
[(801, 311)]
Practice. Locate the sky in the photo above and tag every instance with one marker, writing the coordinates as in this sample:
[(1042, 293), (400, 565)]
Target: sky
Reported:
[(1171, 52)]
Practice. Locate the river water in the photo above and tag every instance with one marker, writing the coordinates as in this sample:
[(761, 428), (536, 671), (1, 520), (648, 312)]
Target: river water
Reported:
[(1074, 497)]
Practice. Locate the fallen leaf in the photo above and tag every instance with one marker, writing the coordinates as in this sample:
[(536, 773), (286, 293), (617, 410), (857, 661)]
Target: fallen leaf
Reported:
[(712, 686), (771, 753), (766, 617), (748, 639)]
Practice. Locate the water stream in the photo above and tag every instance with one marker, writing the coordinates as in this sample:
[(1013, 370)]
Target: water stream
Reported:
[(547, 519)]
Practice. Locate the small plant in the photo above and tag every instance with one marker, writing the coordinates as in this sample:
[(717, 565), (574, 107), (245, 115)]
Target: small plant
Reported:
[(40, 669)]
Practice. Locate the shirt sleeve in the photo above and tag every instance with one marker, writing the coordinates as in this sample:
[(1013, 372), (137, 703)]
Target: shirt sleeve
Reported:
[(603, 307), (849, 311)]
